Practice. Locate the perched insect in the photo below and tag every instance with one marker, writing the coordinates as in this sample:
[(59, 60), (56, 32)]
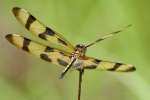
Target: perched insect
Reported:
[(66, 55)]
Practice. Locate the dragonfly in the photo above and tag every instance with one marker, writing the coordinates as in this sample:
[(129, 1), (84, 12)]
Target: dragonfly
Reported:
[(65, 54)]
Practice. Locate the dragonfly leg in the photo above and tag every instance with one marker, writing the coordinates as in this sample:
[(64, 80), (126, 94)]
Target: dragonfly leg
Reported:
[(67, 68)]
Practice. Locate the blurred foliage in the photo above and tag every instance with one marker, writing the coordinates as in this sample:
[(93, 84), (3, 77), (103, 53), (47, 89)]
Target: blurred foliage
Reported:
[(25, 77)]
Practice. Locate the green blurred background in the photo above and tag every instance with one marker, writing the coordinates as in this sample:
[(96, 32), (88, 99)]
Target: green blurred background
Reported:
[(25, 77)]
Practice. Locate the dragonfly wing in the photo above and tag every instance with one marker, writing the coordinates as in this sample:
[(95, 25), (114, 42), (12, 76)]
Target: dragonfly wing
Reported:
[(92, 63), (40, 30), (44, 52)]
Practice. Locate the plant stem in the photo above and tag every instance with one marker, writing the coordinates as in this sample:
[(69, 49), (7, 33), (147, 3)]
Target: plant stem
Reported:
[(80, 82)]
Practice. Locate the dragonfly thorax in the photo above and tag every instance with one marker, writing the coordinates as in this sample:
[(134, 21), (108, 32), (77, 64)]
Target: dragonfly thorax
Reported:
[(80, 51)]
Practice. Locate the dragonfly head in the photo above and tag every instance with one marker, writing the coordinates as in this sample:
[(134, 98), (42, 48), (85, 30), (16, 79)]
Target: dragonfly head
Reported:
[(81, 49)]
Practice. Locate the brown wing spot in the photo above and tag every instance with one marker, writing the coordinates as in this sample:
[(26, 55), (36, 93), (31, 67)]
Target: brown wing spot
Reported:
[(48, 31), (49, 49), (62, 62), (96, 61), (117, 65), (90, 67), (16, 10), (61, 41), (30, 20), (45, 57), (9, 37), (131, 69), (26, 43), (62, 53)]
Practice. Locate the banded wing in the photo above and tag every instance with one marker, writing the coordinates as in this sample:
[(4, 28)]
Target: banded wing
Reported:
[(92, 63), (40, 30), (44, 52)]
